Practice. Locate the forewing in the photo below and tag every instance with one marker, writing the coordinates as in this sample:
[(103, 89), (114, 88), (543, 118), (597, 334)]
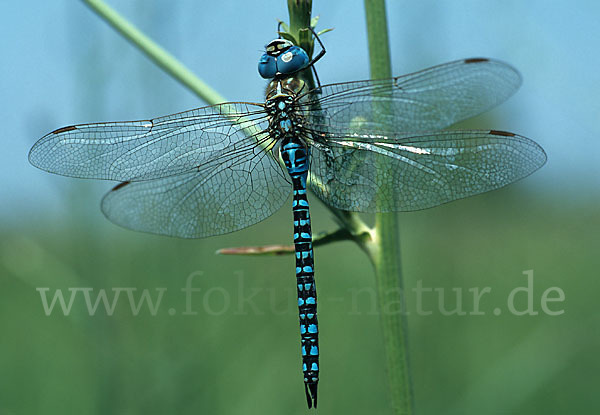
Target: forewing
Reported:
[(218, 198), (428, 100), (151, 149), (412, 172)]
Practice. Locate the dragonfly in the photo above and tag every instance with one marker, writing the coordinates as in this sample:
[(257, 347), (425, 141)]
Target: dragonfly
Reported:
[(362, 146)]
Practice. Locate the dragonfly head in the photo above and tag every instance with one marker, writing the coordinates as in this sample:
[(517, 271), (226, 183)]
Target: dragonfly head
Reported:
[(281, 58)]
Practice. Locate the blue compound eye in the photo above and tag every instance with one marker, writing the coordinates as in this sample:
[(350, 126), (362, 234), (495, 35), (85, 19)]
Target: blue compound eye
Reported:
[(267, 66), (292, 60)]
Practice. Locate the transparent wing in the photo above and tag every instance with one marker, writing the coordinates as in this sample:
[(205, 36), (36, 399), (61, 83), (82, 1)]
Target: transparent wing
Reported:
[(428, 100), (198, 173), (218, 198), (151, 149), (412, 172)]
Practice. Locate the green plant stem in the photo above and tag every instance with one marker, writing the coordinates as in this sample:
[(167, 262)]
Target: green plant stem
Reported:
[(300, 19), (386, 245), (299, 12), (156, 53)]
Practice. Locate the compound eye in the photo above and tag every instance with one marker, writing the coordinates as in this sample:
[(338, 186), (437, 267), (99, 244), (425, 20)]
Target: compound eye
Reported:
[(267, 66), (292, 60)]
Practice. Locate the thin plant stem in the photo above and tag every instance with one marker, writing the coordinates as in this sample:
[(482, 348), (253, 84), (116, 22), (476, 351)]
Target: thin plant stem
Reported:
[(386, 249), (156, 53)]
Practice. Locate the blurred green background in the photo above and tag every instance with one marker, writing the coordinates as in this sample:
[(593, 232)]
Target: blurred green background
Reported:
[(238, 349)]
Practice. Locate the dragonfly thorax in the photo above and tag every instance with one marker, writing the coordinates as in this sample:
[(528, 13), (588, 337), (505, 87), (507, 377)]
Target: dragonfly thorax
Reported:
[(284, 118), (285, 122)]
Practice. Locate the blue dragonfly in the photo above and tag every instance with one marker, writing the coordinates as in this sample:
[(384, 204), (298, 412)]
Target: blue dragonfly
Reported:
[(365, 146)]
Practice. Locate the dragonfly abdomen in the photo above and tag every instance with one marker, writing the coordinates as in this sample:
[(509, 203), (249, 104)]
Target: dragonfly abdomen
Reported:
[(295, 157)]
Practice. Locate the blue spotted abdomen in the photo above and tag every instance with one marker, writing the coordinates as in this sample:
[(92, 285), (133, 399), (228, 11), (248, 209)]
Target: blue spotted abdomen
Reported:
[(295, 157)]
